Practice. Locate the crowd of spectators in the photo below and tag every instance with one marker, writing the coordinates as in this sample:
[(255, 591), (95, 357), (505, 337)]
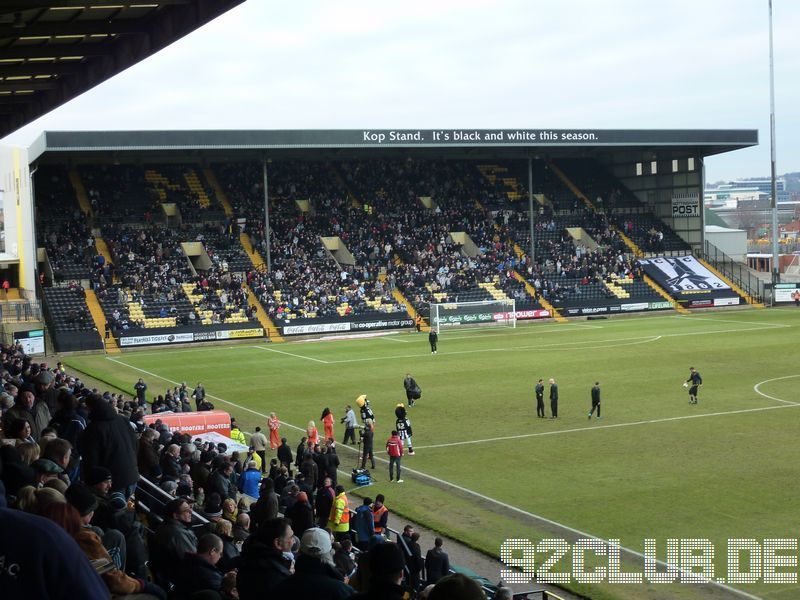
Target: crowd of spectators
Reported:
[(226, 525)]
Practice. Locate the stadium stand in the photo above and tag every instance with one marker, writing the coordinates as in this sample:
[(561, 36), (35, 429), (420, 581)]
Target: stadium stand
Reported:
[(348, 238)]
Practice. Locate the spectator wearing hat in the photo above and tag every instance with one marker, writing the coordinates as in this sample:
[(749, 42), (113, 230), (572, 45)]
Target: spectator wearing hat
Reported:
[(301, 514), (385, 573), (85, 502), (315, 573), (44, 390), (109, 442), (263, 563), (45, 470), (174, 536)]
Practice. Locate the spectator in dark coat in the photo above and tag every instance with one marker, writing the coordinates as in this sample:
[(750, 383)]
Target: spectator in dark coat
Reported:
[(315, 575), (262, 564), (147, 455), (108, 441), (437, 563), (266, 507), (220, 481), (385, 562), (301, 514), (324, 501), (67, 422), (197, 571), (170, 465), (285, 453)]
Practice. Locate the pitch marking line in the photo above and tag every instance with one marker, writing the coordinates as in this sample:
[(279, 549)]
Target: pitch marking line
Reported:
[(567, 345), (613, 426), (758, 391), (440, 482), (317, 360), (712, 319)]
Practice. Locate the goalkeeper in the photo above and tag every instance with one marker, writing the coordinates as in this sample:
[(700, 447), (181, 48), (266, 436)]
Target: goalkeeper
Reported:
[(693, 383)]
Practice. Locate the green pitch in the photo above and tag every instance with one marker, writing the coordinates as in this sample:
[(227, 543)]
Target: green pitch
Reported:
[(487, 469)]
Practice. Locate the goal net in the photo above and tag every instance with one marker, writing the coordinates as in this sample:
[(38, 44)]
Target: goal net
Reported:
[(485, 313)]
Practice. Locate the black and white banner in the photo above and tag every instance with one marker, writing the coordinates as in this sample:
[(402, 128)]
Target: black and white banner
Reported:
[(682, 275), (685, 206), (147, 340)]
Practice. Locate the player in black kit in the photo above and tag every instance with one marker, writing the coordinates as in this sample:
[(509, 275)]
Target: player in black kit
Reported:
[(595, 400), (540, 399), (694, 382)]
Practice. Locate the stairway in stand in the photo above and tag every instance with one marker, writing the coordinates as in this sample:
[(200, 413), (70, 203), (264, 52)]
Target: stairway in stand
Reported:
[(412, 312), (80, 192), (100, 322), (252, 299), (545, 304)]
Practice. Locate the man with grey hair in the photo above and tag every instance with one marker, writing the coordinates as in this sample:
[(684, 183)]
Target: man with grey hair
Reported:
[(315, 573)]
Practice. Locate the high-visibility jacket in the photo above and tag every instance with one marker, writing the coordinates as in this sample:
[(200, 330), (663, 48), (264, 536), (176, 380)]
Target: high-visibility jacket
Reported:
[(339, 518), (379, 520), (237, 435)]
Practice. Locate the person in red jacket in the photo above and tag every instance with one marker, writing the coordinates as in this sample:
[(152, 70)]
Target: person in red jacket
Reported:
[(394, 446)]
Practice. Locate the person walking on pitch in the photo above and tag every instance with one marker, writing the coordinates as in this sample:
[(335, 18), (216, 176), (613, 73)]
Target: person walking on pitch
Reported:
[(595, 400)]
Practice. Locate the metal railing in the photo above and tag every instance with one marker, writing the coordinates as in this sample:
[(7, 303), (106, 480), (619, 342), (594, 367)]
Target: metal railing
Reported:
[(735, 271), (18, 311)]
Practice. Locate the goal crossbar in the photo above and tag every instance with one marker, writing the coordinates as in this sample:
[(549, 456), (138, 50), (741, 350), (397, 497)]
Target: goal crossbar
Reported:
[(500, 312)]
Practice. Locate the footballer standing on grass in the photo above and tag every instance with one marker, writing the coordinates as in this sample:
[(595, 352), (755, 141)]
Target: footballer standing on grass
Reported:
[(693, 383)]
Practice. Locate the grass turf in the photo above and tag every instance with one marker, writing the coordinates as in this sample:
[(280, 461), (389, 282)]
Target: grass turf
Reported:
[(653, 467)]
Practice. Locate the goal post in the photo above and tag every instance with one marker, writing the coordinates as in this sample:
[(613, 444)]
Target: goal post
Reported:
[(490, 313)]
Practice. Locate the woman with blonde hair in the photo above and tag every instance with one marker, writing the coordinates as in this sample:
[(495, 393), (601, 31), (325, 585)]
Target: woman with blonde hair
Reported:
[(34, 500), (29, 451), (224, 529), (312, 433)]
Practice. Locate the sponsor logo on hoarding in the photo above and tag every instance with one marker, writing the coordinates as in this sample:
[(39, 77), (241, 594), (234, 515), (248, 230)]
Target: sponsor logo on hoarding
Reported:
[(316, 328), (635, 306), (700, 303), (659, 305), (144, 340), (240, 333), (522, 314), (726, 301), (382, 324), (594, 310), (203, 336)]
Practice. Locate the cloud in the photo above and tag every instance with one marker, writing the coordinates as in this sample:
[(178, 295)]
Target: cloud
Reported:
[(431, 64)]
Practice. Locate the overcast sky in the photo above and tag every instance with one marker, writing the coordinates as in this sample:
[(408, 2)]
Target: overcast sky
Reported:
[(622, 64)]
